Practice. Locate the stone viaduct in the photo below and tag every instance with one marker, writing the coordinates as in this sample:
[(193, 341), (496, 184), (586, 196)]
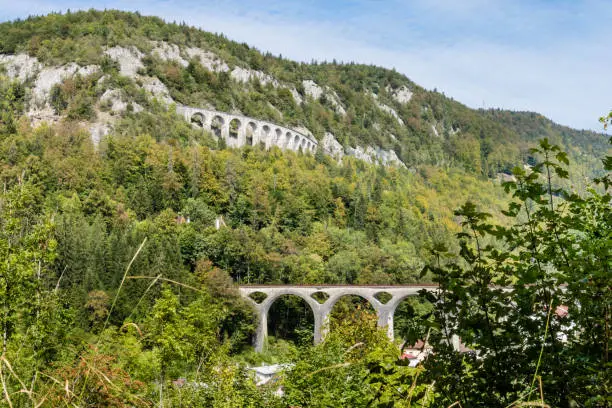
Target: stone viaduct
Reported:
[(322, 310), (238, 130)]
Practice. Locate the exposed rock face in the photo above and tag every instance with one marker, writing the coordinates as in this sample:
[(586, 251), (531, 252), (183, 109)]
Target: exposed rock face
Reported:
[(115, 98), (435, 131), (157, 89), (335, 101), (129, 59), (359, 153), (98, 131), (246, 75), (208, 60), (375, 155), (39, 105), (49, 77), (401, 94), (312, 89), (390, 111), (20, 67), (332, 147), (168, 52), (387, 157), (296, 96)]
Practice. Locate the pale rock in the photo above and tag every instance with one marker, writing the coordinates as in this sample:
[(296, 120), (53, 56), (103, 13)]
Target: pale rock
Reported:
[(435, 131), (389, 158), (208, 60), (359, 153), (136, 107), (20, 67), (376, 155), (312, 89), (115, 97), (296, 96), (168, 52), (245, 75), (129, 59), (332, 147), (97, 131), (49, 77), (401, 94), (335, 101), (157, 89), (40, 114), (390, 111)]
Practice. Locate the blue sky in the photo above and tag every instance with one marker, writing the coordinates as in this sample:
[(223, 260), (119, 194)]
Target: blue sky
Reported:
[(549, 56)]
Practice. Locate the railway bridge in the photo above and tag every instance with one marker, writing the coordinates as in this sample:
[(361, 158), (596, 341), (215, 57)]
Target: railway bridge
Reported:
[(322, 308), (239, 130)]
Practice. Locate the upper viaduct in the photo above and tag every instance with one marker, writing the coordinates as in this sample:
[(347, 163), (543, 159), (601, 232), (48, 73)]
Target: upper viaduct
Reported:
[(238, 130), (321, 310)]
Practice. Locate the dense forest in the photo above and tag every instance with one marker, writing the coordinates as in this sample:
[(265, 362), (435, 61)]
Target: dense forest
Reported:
[(121, 257)]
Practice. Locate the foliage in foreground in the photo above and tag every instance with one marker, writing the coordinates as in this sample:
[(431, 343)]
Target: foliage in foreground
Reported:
[(551, 331)]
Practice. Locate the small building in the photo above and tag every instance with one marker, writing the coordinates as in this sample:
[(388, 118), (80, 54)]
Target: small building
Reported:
[(416, 353), (266, 373)]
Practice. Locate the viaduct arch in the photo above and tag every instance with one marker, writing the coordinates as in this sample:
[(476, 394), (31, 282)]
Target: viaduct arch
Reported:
[(321, 311), (239, 130)]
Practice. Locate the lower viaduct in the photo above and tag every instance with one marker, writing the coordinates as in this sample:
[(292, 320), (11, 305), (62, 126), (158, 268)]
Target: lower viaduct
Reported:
[(321, 310), (238, 130)]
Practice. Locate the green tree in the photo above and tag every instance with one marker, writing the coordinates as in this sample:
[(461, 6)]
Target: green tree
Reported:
[(556, 256)]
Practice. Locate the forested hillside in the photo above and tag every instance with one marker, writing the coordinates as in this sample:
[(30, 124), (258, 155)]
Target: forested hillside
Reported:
[(360, 105), (124, 228)]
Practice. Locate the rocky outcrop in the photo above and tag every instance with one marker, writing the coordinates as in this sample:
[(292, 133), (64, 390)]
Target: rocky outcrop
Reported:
[(390, 111), (296, 96), (129, 59), (168, 52), (332, 147), (208, 60), (157, 88), (40, 109), (248, 131), (246, 75), (312, 89), (20, 67), (401, 94), (114, 98), (375, 155)]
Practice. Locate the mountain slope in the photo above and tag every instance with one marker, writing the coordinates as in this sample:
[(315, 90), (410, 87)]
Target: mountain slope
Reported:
[(124, 59)]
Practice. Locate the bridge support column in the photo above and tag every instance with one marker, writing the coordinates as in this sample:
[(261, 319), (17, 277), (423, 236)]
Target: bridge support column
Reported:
[(261, 332), (385, 319), (321, 324)]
